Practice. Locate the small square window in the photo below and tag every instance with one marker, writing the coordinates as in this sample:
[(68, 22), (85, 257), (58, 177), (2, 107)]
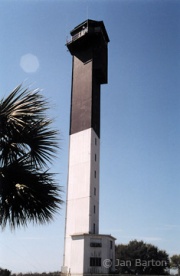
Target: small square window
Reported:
[(94, 261)]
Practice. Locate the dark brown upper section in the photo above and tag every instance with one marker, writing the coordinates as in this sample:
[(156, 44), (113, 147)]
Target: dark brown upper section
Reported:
[(88, 47)]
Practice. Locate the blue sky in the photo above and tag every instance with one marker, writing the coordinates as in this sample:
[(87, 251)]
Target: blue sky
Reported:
[(140, 116)]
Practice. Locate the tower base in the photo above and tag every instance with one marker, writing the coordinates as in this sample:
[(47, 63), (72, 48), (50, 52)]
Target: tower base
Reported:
[(90, 254)]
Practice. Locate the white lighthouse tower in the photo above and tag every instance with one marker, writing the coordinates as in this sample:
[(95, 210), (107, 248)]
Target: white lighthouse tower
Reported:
[(85, 250)]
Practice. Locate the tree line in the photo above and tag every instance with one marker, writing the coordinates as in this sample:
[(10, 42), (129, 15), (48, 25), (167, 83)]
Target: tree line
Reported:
[(140, 258), (6, 272)]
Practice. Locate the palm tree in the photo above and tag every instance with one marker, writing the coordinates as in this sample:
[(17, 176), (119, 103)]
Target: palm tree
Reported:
[(28, 191)]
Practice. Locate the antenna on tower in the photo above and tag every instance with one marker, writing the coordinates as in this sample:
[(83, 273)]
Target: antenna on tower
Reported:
[(87, 12)]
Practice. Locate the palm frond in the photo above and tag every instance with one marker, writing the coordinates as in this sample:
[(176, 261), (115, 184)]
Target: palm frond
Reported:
[(22, 107), (23, 121), (27, 145), (27, 196)]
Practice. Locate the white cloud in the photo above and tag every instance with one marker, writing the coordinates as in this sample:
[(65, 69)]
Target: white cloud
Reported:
[(139, 238), (167, 227), (29, 63), (31, 238), (149, 239)]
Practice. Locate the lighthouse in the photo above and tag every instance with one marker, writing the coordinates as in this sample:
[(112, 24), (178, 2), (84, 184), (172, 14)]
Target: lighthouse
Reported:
[(86, 251)]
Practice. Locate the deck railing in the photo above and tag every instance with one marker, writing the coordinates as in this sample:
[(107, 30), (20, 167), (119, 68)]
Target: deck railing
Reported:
[(78, 35)]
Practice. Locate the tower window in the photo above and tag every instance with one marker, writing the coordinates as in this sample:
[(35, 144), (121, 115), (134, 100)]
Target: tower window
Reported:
[(94, 174), (95, 261), (95, 157), (94, 191), (95, 141), (111, 244), (95, 244), (94, 209), (94, 228)]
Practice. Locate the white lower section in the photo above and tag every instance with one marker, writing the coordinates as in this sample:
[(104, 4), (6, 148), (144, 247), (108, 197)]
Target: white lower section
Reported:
[(84, 249), (83, 184)]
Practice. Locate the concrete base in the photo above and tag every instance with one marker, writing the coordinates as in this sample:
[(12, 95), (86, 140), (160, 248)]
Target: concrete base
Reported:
[(90, 254)]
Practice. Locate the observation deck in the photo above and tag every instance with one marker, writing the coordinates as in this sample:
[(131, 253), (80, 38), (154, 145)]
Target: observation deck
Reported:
[(87, 32)]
